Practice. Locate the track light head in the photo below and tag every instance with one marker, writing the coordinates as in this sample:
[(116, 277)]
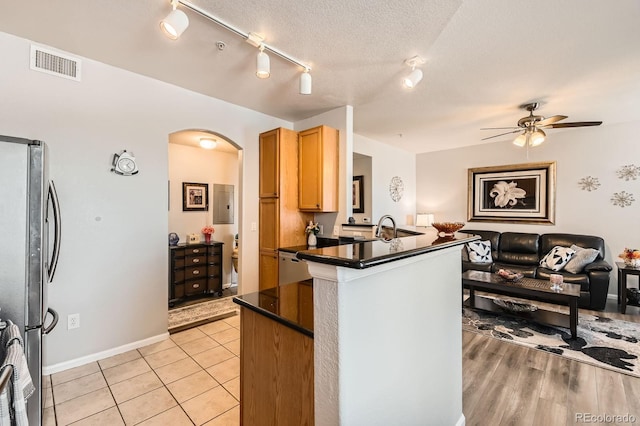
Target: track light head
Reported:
[(415, 76), (412, 79), (305, 82), (175, 23), (263, 66)]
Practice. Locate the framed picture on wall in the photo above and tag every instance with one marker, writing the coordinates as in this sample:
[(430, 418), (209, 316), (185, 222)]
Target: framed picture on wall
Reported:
[(195, 196), (515, 193), (358, 194)]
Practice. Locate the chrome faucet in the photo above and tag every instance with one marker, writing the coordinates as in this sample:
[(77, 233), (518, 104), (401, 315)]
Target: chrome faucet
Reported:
[(379, 227)]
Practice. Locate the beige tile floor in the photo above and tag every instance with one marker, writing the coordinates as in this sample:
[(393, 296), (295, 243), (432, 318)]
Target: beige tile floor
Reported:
[(193, 377)]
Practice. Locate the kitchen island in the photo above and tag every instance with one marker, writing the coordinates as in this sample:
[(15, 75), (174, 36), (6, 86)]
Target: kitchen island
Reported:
[(386, 335)]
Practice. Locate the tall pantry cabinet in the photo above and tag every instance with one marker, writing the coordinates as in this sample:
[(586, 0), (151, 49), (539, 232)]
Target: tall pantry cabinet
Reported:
[(281, 223)]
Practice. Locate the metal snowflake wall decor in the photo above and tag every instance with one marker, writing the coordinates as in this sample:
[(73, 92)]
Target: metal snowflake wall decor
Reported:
[(629, 172), (622, 199), (589, 183)]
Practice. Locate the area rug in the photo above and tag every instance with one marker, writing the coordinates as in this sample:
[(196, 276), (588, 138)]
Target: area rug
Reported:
[(603, 342), (200, 313)]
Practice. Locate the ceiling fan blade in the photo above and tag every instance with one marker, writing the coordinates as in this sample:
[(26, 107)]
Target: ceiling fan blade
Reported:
[(500, 128), (574, 124), (502, 134), (551, 120)]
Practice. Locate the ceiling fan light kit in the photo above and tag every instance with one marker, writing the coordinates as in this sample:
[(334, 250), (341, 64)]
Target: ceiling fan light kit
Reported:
[(177, 21), (530, 127)]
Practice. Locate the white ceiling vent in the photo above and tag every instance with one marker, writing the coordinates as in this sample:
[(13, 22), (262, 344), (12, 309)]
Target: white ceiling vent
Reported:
[(55, 63)]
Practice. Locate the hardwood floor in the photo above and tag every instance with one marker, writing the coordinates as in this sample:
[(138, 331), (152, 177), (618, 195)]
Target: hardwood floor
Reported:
[(508, 384)]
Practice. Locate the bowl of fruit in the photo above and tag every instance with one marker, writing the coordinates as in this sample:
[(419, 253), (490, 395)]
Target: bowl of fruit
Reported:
[(508, 275)]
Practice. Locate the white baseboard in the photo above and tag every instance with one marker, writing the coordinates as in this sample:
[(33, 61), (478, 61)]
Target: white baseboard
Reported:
[(461, 421), (56, 368)]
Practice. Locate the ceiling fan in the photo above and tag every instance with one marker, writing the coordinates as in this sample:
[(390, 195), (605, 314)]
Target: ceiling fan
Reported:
[(530, 128)]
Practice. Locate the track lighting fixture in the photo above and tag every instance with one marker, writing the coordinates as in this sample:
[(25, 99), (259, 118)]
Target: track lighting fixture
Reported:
[(305, 82), (263, 66), (175, 23), (414, 77), (207, 143)]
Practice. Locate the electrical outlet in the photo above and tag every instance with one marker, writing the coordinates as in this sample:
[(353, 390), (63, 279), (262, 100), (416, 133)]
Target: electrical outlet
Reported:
[(253, 226), (321, 229), (336, 230), (73, 321)]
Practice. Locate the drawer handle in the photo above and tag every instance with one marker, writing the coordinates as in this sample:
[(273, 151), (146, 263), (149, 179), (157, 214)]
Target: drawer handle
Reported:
[(196, 251), (196, 260), (196, 272), (196, 285)]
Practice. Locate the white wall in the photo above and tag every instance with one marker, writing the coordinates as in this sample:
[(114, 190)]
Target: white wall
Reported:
[(113, 259), (595, 151), (387, 162), (194, 164)]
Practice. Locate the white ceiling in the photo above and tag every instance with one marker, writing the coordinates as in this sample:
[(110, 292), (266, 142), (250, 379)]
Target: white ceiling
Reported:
[(580, 58)]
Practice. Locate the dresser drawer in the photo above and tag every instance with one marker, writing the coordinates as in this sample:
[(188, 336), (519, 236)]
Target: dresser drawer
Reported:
[(215, 250), (178, 276), (214, 270), (195, 272), (195, 260), (178, 262), (195, 251), (195, 287)]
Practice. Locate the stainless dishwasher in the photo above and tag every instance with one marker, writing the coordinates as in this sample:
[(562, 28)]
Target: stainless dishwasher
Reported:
[(291, 269)]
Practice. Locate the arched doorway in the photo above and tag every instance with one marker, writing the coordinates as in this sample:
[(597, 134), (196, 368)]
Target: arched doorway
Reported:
[(217, 172)]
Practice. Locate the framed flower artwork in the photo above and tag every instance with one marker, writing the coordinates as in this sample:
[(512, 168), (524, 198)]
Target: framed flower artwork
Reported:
[(515, 193)]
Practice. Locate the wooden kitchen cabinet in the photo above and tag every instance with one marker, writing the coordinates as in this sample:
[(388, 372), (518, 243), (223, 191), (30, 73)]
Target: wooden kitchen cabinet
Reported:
[(195, 270), (281, 223), (318, 162)]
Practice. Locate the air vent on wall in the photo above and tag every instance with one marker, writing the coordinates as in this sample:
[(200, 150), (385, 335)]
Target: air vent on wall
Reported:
[(55, 63)]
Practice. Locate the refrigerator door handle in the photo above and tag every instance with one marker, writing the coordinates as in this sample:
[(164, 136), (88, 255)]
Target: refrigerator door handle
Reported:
[(55, 204), (54, 322)]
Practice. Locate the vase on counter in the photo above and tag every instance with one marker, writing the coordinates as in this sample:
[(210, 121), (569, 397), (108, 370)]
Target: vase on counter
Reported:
[(207, 238), (312, 240)]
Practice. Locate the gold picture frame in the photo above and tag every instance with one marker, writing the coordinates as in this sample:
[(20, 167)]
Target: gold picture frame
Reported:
[(516, 193), (195, 196)]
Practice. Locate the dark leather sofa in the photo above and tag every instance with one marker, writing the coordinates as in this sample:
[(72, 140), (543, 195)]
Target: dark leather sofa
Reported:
[(522, 252)]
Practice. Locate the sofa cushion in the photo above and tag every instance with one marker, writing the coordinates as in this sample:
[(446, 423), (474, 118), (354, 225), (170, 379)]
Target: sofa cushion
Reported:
[(582, 258), (549, 241), (518, 248), (492, 236), (557, 258), (479, 251)]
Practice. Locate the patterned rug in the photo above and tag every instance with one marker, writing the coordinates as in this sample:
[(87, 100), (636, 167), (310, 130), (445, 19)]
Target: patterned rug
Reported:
[(200, 313), (603, 342)]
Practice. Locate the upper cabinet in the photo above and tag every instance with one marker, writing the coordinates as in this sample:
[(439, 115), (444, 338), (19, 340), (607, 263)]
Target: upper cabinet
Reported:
[(270, 161), (318, 159)]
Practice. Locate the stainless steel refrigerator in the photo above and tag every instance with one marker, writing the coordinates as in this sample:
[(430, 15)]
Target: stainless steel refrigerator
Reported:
[(29, 249)]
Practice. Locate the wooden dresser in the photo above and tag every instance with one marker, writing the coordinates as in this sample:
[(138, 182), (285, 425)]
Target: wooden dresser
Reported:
[(195, 270)]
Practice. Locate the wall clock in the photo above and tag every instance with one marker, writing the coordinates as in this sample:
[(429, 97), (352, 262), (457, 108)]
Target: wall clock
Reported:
[(124, 164), (396, 188)]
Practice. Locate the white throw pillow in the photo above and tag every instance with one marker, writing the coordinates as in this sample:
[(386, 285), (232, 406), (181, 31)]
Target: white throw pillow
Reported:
[(479, 251), (557, 258), (582, 258)]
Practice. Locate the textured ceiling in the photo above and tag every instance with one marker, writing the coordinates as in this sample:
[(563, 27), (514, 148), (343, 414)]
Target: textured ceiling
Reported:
[(579, 58)]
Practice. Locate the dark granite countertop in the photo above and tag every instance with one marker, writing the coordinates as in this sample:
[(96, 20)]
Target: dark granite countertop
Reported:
[(289, 304), (372, 253)]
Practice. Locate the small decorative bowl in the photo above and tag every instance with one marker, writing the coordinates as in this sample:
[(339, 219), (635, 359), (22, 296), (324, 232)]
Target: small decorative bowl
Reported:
[(447, 228), (508, 275)]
